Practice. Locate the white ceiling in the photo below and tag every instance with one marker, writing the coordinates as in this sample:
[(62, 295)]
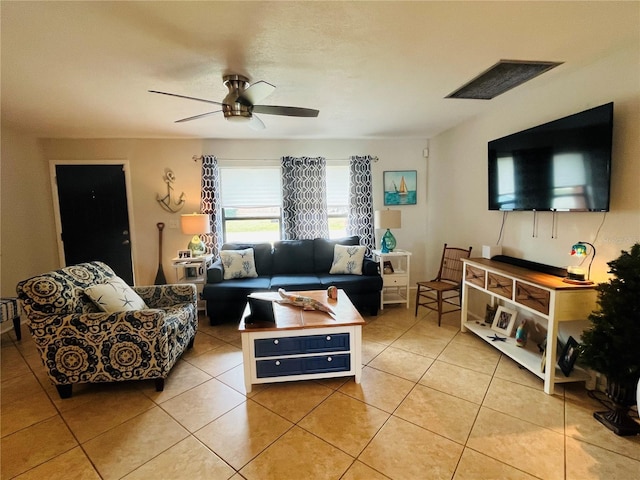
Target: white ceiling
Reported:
[(373, 69)]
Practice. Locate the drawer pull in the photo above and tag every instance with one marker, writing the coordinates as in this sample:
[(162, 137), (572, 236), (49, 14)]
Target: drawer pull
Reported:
[(328, 337), (277, 362), (276, 341), (329, 359)]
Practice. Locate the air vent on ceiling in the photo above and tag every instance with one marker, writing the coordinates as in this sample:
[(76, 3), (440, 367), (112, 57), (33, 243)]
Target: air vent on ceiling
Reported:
[(503, 76)]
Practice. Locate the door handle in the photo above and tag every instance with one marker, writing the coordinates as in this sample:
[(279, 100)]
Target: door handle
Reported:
[(126, 242)]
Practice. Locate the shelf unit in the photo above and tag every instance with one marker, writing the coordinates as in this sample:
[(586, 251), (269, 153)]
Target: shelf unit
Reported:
[(545, 297), (193, 270), (395, 285)]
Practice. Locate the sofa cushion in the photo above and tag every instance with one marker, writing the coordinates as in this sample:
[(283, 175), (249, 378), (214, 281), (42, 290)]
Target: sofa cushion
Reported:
[(293, 256), (351, 283), (296, 282), (115, 296), (347, 259), (238, 264), (323, 249), (235, 289), (261, 255)]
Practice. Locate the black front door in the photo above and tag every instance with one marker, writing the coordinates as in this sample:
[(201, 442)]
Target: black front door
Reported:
[(94, 216)]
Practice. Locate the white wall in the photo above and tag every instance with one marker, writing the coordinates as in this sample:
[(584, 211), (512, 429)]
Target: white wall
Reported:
[(28, 161), (457, 207)]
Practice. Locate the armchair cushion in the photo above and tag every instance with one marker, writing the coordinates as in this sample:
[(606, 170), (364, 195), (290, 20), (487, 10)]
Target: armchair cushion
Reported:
[(115, 296)]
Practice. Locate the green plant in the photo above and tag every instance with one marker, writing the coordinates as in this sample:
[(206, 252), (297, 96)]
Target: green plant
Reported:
[(611, 345)]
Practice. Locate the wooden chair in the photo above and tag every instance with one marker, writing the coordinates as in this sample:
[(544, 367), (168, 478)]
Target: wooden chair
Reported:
[(446, 286)]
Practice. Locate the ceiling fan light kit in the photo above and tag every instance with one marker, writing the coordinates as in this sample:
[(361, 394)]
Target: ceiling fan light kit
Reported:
[(239, 104)]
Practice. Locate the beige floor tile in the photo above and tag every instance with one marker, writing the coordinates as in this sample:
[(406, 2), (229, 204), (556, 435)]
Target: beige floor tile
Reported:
[(345, 422), (188, 459), (128, 446), (512, 371), (227, 332), (292, 400), (402, 363), (18, 413), (475, 466), (441, 413), (380, 333), (360, 471), (183, 377), (483, 360), (380, 389), (235, 379), (34, 445), (526, 403), (71, 465), (457, 381), (506, 438), (11, 363), (202, 404), (429, 327), (218, 361), (402, 450), (203, 343), (107, 410), (241, 434), (296, 456), (425, 345), (581, 425), (370, 350), (586, 461)]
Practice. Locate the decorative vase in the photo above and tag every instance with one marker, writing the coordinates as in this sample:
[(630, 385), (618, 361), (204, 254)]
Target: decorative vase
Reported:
[(521, 334), (621, 394), (383, 246), (390, 240)]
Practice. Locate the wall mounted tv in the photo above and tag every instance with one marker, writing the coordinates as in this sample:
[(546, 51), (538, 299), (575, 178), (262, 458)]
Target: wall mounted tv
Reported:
[(563, 165)]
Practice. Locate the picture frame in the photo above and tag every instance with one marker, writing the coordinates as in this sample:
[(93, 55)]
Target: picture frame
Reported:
[(568, 356), (400, 187), (388, 267), (184, 253), (504, 320), (490, 313)]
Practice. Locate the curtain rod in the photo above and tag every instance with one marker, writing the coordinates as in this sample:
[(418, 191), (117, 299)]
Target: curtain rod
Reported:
[(195, 158)]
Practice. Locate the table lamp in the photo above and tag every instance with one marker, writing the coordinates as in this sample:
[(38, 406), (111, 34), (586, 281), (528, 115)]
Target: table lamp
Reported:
[(579, 249), (387, 219), (195, 224)]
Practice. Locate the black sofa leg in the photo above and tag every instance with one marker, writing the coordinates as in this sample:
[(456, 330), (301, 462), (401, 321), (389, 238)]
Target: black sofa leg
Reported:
[(191, 342), (64, 390), (159, 384)]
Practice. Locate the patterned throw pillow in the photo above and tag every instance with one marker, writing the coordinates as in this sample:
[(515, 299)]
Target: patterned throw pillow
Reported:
[(115, 296), (238, 264), (347, 259)]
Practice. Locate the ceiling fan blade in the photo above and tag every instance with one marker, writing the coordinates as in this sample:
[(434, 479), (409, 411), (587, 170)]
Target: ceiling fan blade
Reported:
[(288, 111), (184, 96), (255, 123), (197, 116), (255, 93)]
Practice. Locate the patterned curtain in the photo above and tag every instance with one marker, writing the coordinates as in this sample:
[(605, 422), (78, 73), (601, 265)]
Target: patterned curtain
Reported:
[(210, 203), (360, 217), (304, 198)]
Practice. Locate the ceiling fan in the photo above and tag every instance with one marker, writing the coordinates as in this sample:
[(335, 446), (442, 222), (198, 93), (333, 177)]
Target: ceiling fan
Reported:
[(240, 103)]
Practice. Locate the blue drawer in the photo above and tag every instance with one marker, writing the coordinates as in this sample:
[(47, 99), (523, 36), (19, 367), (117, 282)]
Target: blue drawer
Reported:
[(273, 347), (300, 366)]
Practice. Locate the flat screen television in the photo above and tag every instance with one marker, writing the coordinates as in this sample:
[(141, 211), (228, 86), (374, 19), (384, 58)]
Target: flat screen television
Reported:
[(563, 165)]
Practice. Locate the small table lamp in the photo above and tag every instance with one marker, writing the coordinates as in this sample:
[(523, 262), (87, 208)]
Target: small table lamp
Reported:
[(195, 224), (580, 250), (387, 219)]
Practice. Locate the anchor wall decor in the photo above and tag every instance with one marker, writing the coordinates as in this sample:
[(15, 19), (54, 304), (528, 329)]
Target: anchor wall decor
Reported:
[(166, 202)]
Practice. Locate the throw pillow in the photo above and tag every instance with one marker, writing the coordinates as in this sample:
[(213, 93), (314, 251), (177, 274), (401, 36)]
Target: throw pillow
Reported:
[(115, 296), (347, 259), (238, 264)]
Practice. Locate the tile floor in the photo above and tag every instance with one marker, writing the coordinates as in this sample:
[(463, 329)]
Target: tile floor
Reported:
[(433, 404)]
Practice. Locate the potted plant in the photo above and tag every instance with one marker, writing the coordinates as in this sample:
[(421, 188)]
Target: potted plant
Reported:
[(611, 345)]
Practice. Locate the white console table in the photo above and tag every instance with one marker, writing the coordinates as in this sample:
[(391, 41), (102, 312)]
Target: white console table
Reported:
[(544, 297)]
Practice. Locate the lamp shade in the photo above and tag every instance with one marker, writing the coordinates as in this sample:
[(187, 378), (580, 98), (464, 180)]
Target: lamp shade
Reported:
[(387, 218), (195, 224)]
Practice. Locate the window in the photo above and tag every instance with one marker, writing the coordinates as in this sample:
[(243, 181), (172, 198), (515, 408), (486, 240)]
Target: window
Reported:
[(252, 202)]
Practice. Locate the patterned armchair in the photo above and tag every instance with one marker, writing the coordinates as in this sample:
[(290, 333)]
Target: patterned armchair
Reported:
[(78, 343)]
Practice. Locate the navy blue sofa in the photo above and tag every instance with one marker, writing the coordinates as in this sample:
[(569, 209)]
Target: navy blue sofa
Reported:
[(293, 265)]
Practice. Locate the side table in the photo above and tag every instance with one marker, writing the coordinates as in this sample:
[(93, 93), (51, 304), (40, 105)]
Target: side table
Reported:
[(193, 270), (394, 268), (10, 310)]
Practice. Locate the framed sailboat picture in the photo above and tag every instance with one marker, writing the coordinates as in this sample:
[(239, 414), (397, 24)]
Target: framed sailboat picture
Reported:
[(400, 187)]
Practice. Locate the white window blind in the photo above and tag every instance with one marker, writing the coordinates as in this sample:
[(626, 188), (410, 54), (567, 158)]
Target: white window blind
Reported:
[(250, 187), (337, 185)]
